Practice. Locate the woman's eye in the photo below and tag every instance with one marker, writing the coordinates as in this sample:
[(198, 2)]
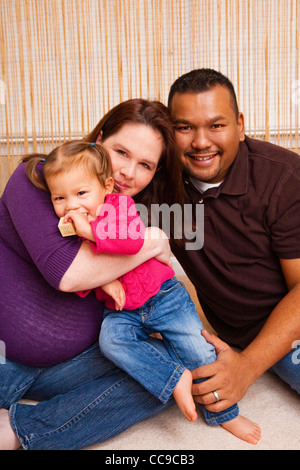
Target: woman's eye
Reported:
[(145, 165), (122, 153)]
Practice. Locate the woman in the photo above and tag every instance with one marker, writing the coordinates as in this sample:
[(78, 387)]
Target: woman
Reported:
[(49, 332)]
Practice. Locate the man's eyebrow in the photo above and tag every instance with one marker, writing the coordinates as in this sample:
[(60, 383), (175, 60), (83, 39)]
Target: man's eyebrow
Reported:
[(181, 121), (219, 117)]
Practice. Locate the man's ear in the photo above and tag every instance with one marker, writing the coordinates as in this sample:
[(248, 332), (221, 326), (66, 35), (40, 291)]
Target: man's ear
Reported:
[(241, 127)]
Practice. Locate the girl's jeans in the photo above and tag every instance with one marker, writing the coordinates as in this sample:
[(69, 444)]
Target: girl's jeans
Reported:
[(172, 313)]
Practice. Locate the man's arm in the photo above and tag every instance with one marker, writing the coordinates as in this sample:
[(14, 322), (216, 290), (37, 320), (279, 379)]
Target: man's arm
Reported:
[(233, 373), (90, 270)]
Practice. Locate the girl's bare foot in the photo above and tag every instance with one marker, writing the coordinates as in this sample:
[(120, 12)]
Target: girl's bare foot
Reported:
[(8, 439), (183, 396), (244, 429)]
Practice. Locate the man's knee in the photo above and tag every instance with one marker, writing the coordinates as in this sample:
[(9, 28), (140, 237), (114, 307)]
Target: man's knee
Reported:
[(288, 368)]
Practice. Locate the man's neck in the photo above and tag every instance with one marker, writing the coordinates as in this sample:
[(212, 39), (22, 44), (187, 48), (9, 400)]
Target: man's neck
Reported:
[(202, 186)]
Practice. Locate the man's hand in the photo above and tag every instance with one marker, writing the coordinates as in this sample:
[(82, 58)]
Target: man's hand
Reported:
[(116, 291), (230, 376)]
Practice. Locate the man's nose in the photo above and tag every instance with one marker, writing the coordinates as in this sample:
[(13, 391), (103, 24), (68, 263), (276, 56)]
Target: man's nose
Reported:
[(201, 139)]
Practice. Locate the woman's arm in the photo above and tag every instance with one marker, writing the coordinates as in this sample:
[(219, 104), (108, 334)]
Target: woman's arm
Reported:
[(90, 270), (65, 263)]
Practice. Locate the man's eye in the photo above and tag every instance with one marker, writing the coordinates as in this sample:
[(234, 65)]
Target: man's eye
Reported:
[(182, 128)]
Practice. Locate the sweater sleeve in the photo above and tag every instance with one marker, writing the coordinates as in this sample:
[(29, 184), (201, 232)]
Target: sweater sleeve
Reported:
[(35, 235), (118, 228)]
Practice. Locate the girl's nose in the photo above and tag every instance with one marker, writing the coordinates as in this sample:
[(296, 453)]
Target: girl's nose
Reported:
[(71, 204)]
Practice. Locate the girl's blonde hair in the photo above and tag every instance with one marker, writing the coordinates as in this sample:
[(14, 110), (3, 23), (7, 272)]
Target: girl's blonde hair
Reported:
[(74, 153)]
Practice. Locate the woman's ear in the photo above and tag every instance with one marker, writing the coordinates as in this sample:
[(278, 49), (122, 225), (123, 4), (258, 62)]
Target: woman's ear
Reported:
[(99, 138), (109, 185)]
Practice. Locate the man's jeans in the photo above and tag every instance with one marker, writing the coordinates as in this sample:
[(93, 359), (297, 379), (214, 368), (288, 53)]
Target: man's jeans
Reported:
[(172, 313)]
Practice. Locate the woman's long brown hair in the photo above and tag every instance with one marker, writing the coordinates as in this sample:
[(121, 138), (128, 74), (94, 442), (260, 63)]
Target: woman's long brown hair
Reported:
[(166, 185)]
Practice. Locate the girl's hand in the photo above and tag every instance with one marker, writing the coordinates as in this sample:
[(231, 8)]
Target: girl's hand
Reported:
[(81, 223), (116, 291)]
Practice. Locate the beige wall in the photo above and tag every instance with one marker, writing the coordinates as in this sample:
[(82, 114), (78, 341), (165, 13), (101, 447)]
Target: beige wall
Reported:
[(64, 63)]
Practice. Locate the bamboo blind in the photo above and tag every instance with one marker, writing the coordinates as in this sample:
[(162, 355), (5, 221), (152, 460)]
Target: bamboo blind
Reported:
[(64, 63)]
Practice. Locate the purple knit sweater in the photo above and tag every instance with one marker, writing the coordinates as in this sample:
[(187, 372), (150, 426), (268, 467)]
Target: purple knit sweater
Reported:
[(40, 325)]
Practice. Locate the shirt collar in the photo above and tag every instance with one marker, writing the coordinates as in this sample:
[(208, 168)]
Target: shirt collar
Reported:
[(236, 181)]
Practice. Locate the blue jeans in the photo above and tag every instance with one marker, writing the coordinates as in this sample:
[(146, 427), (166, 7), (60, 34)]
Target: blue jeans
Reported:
[(172, 313), (85, 400)]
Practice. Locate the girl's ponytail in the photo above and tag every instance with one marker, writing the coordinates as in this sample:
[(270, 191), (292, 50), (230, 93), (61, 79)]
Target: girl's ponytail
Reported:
[(32, 173)]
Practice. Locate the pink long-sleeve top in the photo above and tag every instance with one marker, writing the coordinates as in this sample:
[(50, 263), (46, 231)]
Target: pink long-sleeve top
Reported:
[(119, 230)]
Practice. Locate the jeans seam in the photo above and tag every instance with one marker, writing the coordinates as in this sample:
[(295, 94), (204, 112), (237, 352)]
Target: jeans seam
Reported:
[(25, 387), (167, 385), (223, 417), (70, 422)]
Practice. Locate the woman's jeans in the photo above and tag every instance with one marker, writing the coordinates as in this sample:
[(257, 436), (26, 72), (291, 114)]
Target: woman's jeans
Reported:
[(86, 400), (172, 313)]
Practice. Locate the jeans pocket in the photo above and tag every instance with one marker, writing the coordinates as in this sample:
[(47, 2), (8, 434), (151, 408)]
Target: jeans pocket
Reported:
[(169, 286)]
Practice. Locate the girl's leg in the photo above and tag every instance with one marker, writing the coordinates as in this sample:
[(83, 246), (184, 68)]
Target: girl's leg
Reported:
[(124, 339), (184, 340)]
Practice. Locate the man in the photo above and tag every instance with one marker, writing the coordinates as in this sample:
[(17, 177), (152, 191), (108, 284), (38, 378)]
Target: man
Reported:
[(247, 275)]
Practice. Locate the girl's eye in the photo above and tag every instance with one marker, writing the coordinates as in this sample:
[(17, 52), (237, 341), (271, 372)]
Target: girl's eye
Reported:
[(80, 193), (58, 198)]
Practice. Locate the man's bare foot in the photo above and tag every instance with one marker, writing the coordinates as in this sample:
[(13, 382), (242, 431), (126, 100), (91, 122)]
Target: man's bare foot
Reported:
[(244, 429), (183, 396), (8, 439)]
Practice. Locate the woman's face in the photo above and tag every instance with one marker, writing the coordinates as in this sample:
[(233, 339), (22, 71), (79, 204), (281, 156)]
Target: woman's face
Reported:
[(134, 151)]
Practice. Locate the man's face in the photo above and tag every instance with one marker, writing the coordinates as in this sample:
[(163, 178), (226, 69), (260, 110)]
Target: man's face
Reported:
[(207, 132)]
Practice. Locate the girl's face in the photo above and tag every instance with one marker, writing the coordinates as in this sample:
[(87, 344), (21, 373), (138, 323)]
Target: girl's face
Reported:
[(135, 151), (79, 190)]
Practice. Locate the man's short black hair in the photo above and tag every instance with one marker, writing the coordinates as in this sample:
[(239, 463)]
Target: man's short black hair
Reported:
[(201, 80)]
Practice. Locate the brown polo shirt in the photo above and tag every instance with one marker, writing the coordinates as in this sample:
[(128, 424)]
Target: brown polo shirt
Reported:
[(250, 221)]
